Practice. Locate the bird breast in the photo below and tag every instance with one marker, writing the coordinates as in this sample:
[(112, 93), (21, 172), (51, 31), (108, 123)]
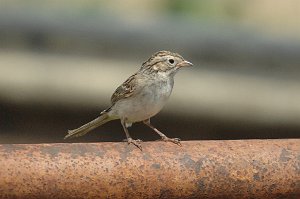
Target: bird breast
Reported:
[(147, 102)]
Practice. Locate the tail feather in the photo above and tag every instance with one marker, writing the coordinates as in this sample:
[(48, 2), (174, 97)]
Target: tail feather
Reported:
[(102, 119)]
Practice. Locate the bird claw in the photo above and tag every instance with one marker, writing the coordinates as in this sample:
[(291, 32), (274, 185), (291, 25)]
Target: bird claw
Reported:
[(173, 140), (136, 143)]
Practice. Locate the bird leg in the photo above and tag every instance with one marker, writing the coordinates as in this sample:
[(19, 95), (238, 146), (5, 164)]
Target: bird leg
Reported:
[(136, 143), (163, 136)]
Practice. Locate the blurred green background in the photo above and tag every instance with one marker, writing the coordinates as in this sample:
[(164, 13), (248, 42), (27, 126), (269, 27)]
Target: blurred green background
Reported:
[(60, 61)]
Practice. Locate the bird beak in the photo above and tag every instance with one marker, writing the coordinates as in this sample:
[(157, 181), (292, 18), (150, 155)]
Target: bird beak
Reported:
[(184, 64)]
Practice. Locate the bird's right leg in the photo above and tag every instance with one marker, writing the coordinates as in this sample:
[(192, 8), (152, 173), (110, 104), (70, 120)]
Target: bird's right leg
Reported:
[(137, 142), (163, 136)]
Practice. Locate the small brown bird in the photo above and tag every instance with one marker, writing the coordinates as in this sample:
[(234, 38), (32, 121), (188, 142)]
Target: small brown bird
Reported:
[(141, 96)]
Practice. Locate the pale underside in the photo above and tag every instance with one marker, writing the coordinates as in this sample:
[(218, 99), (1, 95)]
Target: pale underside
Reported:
[(134, 103)]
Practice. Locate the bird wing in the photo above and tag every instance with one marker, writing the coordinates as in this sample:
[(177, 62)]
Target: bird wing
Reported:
[(125, 90)]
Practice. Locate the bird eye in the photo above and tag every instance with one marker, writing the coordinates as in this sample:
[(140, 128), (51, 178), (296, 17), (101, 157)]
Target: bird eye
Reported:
[(171, 61)]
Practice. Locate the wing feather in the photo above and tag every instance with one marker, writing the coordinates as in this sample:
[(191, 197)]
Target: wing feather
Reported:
[(125, 90)]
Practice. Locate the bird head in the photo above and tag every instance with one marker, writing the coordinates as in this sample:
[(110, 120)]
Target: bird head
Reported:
[(165, 62)]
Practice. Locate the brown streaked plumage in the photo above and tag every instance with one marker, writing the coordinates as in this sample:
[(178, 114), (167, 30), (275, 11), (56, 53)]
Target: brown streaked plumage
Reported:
[(125, 90)]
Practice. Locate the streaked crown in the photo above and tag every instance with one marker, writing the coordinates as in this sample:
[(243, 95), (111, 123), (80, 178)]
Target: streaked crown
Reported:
[(163, 61)]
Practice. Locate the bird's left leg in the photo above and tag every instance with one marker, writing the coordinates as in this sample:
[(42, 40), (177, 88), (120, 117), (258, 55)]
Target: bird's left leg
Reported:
[(163, 136), (137, 143)]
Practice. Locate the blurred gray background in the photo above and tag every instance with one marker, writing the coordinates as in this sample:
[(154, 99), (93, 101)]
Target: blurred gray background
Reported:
[(60, 61)]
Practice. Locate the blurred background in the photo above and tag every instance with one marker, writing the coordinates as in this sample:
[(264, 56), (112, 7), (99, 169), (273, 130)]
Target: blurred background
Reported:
[(60, 61)]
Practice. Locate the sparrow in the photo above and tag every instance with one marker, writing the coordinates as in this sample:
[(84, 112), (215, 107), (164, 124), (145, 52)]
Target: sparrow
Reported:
[(141, 96)]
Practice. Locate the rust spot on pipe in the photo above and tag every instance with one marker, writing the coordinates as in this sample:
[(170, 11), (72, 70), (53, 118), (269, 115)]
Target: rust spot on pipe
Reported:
[(198, 169)]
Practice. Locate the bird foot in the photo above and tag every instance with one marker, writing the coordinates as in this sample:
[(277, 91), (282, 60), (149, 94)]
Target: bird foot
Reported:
[(136, 143), (173, 140)]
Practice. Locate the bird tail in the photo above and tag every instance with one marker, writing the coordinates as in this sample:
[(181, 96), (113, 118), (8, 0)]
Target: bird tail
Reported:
[(102, 119)]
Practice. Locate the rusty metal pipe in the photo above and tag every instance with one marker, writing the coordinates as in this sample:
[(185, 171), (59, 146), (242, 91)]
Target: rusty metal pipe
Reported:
[(198, 169)]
